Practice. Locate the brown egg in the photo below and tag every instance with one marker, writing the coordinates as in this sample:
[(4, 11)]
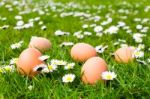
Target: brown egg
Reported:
[(82, 51), (40, 43), (29, 59), (124, 54), (92, 70)]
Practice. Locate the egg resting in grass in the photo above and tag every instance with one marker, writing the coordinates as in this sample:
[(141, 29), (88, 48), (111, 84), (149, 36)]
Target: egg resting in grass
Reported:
[(29, 59), (124, 54), (92, 70), (40, 43), (81, 52)]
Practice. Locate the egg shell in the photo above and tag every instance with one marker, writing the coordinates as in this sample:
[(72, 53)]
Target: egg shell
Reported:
[(124, 54), (29, 59), (92, 70), (40, 43), (81, 52)]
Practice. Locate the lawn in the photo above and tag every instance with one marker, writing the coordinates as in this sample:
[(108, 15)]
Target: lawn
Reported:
[(123, 23)]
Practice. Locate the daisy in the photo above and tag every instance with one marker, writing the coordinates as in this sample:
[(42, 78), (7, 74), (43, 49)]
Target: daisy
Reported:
[(43, 27), (123, 45), (60, 33), (40, 23), (8, 68), (20, 23), (68, 78), (100, 48), (39, 67), (4, 27), (138, 54), (30, 87), (16, 45), (121, 24), (52, 67), (1, 70), (69, 66), (138, 37), (85, 26), (148, 60), (107, 75), (13, 61), (37, 18), (80, 36), (18, 17), (98, 29), (87, 33), (141, 46), (139, 27), (66, 44), (44, 57), (112, 30), (45, 70), (141, 61), (58, 62)]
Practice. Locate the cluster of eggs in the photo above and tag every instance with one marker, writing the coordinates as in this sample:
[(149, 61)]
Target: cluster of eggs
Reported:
[(81, 52), (29, 58), (94, 66)]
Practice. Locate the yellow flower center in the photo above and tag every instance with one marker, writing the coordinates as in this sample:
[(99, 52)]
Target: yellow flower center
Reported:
[(69, 78), (50, 67), (109, 77)]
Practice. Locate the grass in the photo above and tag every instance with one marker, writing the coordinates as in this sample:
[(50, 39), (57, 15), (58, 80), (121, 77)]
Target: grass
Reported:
[(132, 79)]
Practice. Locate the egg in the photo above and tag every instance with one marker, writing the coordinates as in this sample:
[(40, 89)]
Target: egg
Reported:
[(29, 59), (92, 70), (124, 54), (40, 43), (81, 52)]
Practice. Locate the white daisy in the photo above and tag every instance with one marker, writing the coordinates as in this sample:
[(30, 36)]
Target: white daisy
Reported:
[(69, 66), (43, 27), (4, 27), (30, 87), (141, 46), (85, 26), (139, 27), (16, 45), (66, 44), (80, 36), (141, 61), (60, 33), (58, 62), (87, 33), (13, 61), (44, 57), (68, 78), (138, 54), (52, 67), (18, 17), (1, 70), (107, 75), (112, 30), (20, 23), (100, 48), (40, 67), (121, 24), (9, 68), (98, 29), (40, 23), (148, 60)]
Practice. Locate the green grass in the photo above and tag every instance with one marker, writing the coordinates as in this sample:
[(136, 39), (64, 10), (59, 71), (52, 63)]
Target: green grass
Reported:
[(133, 79)]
